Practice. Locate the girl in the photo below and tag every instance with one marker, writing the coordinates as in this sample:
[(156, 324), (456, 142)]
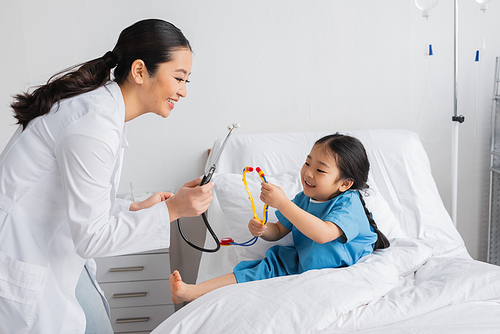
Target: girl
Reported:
[(59, 175), (330, 224)]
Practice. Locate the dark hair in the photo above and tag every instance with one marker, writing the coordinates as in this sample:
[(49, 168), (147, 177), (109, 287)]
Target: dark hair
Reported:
[(352, 161), (153, 41)]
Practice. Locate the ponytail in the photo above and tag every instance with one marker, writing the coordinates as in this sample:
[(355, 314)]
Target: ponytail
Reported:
[(382, 241), (67, 83), (153, 41)]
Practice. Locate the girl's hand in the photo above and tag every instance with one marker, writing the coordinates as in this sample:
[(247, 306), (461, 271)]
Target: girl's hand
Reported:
[(256, 228), (273, 195), (156, 198)]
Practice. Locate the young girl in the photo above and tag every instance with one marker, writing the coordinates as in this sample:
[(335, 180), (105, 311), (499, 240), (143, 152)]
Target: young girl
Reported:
[(330, 224)]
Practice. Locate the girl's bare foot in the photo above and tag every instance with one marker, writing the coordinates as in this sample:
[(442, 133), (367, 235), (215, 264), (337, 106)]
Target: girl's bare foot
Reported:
[(180, 290)]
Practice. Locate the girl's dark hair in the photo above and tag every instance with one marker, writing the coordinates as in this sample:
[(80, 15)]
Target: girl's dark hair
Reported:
[(153, 41), (353, 164)]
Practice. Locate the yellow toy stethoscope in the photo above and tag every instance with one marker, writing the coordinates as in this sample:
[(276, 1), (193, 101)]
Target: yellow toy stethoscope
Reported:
[(263, 221)]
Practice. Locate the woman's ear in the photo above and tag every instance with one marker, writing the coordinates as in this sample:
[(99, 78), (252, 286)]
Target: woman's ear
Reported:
[(138, 71), (346, 184)]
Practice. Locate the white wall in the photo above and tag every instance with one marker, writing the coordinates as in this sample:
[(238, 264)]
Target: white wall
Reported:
[(280, 66)]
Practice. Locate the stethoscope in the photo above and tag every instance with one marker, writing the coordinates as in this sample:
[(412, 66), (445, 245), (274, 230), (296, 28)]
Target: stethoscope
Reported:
[(206, 178)]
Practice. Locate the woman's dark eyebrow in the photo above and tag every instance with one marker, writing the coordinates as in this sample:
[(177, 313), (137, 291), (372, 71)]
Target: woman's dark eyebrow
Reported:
[(183, 71)]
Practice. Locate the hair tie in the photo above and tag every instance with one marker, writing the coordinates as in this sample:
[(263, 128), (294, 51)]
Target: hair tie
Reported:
[(109, 59)]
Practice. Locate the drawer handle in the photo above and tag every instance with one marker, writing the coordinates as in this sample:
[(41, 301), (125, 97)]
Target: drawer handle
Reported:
[(130, 295), (131, 320), (117, 270)]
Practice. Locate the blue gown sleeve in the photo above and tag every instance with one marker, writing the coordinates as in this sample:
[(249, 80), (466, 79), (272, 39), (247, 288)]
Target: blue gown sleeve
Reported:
[(343, 215), (282, 219)]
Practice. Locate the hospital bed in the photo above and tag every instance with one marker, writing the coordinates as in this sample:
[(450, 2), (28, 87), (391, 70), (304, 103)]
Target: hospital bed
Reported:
[(426, 282)]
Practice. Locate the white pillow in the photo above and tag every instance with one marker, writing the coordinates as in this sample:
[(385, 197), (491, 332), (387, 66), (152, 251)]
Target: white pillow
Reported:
[(382, 214), (237, 209)]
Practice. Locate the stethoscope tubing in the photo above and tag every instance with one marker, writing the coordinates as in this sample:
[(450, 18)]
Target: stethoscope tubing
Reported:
[(206, 178), (210, 230)]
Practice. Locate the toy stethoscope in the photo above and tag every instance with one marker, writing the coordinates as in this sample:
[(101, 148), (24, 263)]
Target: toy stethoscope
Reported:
[(205, 180), (230, 241)]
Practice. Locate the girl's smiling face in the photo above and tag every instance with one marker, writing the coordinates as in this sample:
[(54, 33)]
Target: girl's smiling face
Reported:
[(321, 177)]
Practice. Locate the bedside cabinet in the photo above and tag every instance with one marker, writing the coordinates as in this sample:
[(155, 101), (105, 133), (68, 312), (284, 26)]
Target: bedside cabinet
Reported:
[(137, 289)]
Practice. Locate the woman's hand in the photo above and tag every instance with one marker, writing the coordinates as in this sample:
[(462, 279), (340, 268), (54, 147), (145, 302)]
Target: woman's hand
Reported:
[(256, 228), (190, 200), (273, 195), (156, 198)]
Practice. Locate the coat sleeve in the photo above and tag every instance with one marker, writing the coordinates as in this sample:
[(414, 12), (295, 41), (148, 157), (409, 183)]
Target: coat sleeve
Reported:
[(120, 205), (87, 157)]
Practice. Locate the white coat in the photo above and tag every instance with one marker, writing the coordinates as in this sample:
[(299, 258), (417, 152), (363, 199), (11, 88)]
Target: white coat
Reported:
[(58, 208)]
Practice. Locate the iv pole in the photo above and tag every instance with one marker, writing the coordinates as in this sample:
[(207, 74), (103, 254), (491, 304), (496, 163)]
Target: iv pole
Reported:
[(456, 121)]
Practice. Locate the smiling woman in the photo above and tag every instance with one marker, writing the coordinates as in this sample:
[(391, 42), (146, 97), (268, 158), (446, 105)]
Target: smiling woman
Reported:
[(158, 93), (59, 176)]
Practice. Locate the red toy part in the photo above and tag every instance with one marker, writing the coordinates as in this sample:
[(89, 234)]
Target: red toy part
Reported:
[(249, 169), (226, 241)]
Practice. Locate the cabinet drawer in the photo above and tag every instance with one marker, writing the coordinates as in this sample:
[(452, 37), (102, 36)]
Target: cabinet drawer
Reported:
[(139, 318), (140, 293), (133, 268)]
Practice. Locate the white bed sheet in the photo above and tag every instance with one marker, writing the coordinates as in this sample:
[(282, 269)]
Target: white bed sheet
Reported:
[(401, 289), (425, 283)]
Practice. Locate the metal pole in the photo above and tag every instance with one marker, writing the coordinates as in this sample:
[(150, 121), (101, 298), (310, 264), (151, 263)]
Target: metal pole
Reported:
[(493, 171), (455, 126), (455, 77)]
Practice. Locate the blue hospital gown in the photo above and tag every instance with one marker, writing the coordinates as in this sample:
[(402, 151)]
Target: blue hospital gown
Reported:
[(346, 211)]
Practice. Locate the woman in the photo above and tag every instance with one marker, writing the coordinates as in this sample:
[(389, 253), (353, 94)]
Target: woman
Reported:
[(59, 174)]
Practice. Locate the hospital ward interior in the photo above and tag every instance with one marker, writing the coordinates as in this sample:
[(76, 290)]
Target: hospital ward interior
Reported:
[(417, 82)]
